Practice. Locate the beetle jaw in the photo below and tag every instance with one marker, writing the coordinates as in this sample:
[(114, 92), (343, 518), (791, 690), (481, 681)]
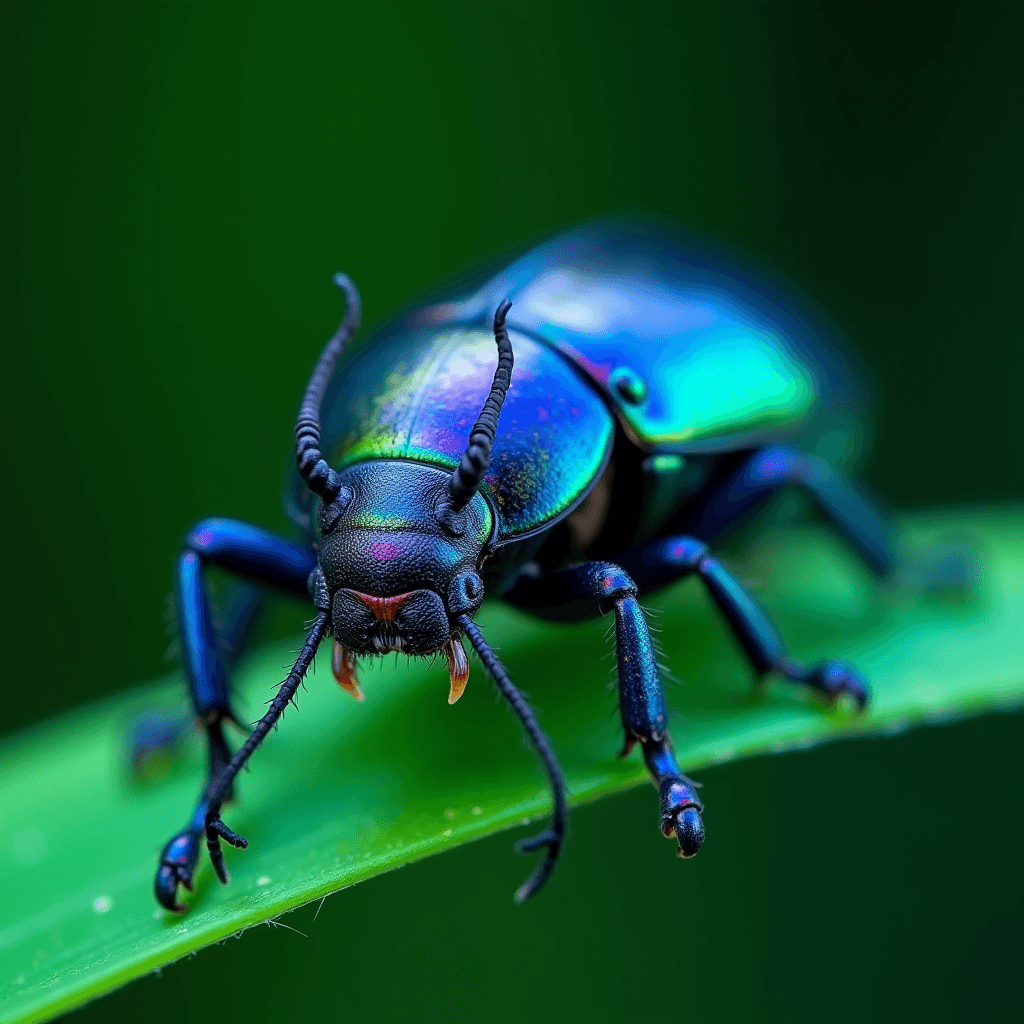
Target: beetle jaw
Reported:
[(346, 670), (417, 623)]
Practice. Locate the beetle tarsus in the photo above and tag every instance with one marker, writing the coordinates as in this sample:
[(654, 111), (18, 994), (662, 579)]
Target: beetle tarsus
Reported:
[(949, 570), (177, 866), (217, 827), (153, 740), (680, 807), (216, 830), (833, 679)]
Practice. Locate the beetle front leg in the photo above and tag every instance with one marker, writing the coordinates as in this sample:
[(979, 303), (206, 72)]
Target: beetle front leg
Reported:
[(641, 699), (664, 561), (259, 557)]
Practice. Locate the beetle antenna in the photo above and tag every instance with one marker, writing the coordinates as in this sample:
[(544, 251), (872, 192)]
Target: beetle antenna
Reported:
[(313, 468), (477, 457), (553, 837)]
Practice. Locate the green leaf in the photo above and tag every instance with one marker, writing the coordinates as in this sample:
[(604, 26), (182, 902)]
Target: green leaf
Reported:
[(344, 790)]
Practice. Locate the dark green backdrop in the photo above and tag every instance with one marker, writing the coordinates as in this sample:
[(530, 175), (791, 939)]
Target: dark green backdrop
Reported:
[(180, 183)]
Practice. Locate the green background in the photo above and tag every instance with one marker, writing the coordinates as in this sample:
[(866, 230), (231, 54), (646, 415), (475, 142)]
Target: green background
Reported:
[(182, 179)]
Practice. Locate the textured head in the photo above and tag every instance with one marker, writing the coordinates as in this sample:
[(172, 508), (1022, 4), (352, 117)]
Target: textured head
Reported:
[(399, 563)]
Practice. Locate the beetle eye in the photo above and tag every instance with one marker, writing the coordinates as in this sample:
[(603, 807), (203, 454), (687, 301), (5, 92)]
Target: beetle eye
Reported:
[(332, 511), (465, 593)]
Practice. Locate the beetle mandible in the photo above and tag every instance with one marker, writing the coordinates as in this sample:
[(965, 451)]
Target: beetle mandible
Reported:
[(654, 403)]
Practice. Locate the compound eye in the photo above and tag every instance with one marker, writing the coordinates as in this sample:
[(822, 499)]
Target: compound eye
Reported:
[(333, 510), (465, 594)]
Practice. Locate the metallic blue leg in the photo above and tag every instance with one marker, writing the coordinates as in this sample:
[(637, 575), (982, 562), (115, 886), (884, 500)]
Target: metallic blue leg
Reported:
[(154, 738), (641, 701), (256, 556), (768, 470), (664, 561)]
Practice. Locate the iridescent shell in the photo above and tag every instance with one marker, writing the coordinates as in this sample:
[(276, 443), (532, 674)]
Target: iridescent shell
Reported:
[(415, 392), (611, 321), (692, 354)]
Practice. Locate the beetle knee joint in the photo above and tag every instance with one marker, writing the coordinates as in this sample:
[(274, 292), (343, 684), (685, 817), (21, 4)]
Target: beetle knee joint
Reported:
[(202, 537), (609, 584), (685, 552)]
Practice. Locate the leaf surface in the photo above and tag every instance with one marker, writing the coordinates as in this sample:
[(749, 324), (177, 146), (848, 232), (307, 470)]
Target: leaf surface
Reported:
[(344, 791)]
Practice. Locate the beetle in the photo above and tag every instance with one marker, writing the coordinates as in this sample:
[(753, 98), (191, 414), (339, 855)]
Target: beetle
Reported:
[(647, 401)]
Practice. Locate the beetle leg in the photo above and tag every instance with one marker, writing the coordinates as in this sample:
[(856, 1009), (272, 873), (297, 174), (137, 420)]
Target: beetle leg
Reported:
[(767, 470), (154, 738), (641, 700), (257, 557), (179, 857), (663, 561)]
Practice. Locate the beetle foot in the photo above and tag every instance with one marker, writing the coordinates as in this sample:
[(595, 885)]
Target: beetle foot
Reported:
[(154, 740), (949, 571), (180, 856), (831, 678), (680, 815), (177, 866), (216, 830)]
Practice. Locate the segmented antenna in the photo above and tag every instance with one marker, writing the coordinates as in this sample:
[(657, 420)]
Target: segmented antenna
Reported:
[(313, 468), (466, 477)]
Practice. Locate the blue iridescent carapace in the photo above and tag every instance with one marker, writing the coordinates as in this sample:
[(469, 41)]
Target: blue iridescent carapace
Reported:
[(693, 354), (414, 393), (614, 321)]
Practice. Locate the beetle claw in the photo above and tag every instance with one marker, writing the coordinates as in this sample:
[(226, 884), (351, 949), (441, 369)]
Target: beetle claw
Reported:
[(216, 830), (680, 815), (177, 866)]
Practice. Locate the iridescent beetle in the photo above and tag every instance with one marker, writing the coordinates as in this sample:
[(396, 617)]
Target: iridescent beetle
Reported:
[(657, 403)]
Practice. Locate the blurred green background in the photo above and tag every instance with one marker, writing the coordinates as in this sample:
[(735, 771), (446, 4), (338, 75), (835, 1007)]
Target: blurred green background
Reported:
[(181, 181)]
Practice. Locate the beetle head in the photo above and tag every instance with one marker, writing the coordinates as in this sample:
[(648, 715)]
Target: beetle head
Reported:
[(398, 561)]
